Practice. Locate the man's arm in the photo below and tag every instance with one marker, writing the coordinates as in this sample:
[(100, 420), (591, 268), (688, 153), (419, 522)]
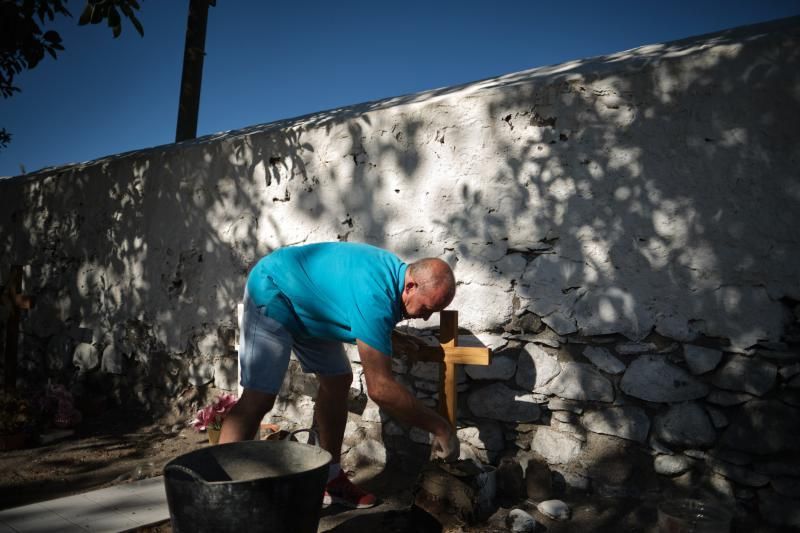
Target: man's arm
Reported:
[(384, 390)]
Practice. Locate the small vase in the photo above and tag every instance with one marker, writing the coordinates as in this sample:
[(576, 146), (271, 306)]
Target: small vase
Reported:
[(213, 435)]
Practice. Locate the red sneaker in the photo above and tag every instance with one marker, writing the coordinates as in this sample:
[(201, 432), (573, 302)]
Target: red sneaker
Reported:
[(342, 491)]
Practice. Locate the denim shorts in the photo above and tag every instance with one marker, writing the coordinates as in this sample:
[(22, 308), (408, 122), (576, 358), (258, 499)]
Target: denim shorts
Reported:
[(266, 346)]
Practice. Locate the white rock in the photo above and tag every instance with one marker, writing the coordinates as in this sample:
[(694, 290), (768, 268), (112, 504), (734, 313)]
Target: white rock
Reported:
[(718, 418), (546, 337), (579, 381), (426, 370), (788, 372), (685, 425), (499, 402), (518, 521), (700, 455), (746, 374), (574, 479), (490, 340), (778, 510), (557, 404), (787, 486), (701, 359), (736, 473), (568, 417), (652, 378), (371, 413), (635, 348), (535, 368), (602, 359), (487, 436), (368, 451), (657, 446), (556, 447), (728, 399), (671, 465), (555, 509), (627, 422), (503, 367), (561, 323)]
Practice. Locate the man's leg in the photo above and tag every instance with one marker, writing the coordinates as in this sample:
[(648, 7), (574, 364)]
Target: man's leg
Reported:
[(331, 412), (243, 420), (331, 418)]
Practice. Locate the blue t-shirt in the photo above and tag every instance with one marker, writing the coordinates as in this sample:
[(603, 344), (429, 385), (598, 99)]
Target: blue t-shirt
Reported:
[(339, 291)]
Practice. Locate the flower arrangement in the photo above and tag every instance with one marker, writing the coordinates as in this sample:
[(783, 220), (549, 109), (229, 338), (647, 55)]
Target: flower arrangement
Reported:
[(58, 404), (212, 415)]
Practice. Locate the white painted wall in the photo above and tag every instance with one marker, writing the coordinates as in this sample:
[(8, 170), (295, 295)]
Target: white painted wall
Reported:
[(653, 189)]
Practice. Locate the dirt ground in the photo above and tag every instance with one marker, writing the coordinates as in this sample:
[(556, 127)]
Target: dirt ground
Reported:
[(116, 448), (109, 449)]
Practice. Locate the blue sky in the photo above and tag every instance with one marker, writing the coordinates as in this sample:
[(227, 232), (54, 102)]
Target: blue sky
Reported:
[(271, 60)]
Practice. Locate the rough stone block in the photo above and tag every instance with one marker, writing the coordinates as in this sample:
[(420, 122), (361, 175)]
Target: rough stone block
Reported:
[(671, 465), (503, 367), (652, 378), (556, 447), (701, 359), (627, 422), (487, 436), (745, 374), (535, 368), (685, 425), (500, 402), (763, 427), (579, 381), (604, 360)]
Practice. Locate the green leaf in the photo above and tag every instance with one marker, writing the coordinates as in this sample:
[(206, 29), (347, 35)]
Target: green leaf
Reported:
[(137, 25), (97, 13), (52, 37), (114, 21), (86, 16)]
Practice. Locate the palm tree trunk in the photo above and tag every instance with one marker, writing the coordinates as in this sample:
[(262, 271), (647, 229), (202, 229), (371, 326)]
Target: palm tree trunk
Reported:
[(193, 54)]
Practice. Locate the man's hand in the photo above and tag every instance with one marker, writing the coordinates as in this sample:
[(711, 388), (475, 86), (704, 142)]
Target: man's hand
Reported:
[(446, 448)]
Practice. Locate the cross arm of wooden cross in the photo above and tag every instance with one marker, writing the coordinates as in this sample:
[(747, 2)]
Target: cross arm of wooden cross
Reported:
[(449, 353)]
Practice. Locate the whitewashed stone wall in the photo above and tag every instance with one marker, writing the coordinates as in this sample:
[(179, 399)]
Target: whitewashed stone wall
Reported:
[(623, 229)]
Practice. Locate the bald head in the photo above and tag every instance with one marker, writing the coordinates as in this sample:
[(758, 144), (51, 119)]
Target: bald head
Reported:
[(432, 284)]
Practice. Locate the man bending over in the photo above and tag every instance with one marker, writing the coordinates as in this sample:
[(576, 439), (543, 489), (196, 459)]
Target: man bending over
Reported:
[(311, 299)]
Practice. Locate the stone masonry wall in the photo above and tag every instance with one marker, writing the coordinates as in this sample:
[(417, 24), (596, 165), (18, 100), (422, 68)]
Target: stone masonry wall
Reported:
[(623, 230)]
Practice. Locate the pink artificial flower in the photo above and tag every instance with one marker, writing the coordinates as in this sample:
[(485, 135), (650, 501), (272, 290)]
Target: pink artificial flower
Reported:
[(212, 415)]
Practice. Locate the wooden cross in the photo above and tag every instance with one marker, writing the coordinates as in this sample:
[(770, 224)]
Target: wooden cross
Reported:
[(17, 302), (449, 353)]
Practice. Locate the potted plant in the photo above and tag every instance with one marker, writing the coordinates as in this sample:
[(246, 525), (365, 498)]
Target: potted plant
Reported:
[(210, 417)]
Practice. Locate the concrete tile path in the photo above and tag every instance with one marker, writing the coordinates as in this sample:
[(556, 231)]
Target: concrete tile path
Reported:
[(118, 508)]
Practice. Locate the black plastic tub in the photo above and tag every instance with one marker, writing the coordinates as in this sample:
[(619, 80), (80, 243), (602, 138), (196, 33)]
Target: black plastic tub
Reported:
[(247, 486)]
